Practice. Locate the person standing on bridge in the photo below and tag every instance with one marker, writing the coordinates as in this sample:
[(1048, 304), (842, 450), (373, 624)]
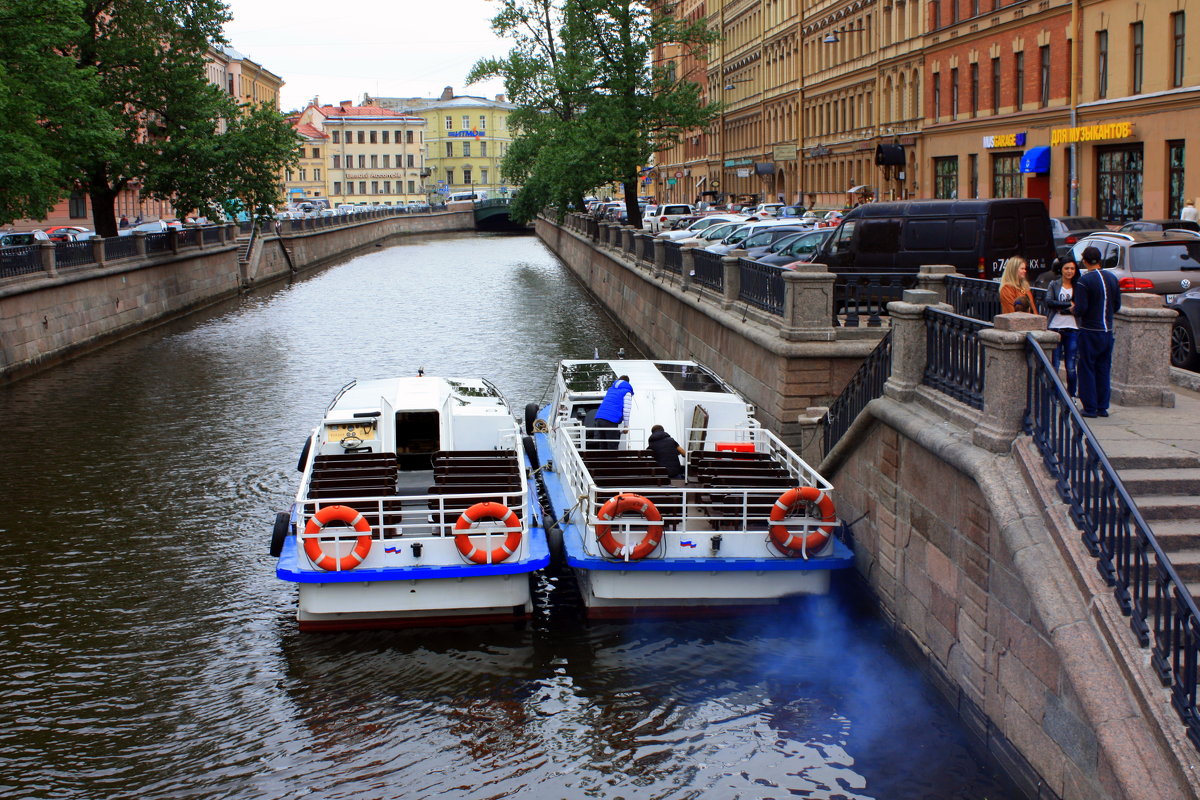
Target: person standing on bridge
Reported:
[(1058, 300), (1015, 292), (612, 417), (1097, 298)]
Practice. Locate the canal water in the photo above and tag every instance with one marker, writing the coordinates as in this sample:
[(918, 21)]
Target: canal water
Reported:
[(149, 652)]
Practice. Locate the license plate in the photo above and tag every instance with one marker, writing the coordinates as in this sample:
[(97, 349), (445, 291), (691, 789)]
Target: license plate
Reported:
[(1170, 298)]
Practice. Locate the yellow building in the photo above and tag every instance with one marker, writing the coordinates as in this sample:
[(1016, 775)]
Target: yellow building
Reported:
[(371, 154), (307, 179), (466, 137), (241, 78)]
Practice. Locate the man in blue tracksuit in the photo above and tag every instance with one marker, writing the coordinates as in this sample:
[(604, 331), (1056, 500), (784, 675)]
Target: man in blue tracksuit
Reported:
[(1097, 298), (613, 414)]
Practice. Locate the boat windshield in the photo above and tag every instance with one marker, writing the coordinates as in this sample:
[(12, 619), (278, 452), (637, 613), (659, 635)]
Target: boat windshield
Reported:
[(690, 378), (588, 376)]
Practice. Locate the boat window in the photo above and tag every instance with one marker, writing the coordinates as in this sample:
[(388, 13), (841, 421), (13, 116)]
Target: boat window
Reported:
[(588, 376), (689, 377)]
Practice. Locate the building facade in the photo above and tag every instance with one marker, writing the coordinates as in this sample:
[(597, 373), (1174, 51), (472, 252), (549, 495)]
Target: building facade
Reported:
[(466, 139)]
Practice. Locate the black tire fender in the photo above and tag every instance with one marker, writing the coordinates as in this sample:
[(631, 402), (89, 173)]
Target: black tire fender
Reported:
[(531, 412), (282, 529)]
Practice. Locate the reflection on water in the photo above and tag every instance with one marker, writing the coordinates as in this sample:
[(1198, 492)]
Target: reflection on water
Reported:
[(150, 653)]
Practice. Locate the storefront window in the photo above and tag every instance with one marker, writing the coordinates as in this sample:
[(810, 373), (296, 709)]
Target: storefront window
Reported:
[(1174, 179), (945, 174), (1006, 176), (1119, 183), (973, 176)]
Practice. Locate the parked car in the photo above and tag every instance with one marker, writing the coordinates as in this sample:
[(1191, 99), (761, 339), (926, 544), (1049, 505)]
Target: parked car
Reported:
[(759, 242), (665, 214), (1160, 225), (700, 224), (799, 248), (764, 210), (1159, 263), (1069, 230), (974, 236), (736, 239), (1186, 331), (22, 238), (712, 234), (65, 233)]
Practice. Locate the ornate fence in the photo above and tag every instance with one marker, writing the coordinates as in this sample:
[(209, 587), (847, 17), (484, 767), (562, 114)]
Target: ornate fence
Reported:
[(978, 298), (761, 286), (708, 270), (73, 254), (866, 384), (866, 295), (954, 356), (20, 260), (673, 257)]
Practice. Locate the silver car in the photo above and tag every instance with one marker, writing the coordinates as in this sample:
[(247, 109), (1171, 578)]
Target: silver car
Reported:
[(1156, 263)]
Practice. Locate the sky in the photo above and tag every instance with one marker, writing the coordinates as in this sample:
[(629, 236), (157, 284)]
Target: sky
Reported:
[(387, 48)]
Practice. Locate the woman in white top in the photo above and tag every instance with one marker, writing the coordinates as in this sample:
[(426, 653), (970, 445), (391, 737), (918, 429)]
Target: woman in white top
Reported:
[(1059, 297)]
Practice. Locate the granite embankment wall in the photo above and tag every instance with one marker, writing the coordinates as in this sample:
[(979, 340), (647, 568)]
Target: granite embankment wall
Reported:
[(958, 530), (47, 317)]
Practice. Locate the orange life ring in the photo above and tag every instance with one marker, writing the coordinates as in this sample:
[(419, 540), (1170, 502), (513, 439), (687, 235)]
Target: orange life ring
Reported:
[(312, 545), (624, 504), (794, 542), (478, 513)]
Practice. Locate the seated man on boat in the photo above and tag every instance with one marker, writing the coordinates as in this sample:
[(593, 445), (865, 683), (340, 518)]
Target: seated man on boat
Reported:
[(612, 417), (666, 451)]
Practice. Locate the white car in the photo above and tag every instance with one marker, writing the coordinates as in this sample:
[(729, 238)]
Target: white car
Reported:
[(704, 223), (711, 234), (735, 238), (665, 214), (765, 210)]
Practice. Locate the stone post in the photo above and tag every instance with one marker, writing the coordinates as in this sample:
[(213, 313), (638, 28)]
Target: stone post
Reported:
[(47, 251), (1006, 378), (932, 278), (198, 232), (808, 304), (173, 239), (687, 267), (812, 446), (660, 256), (139, 242), (909, 348), (98, 250), (230, 232), (1141, 367), (731, 278)]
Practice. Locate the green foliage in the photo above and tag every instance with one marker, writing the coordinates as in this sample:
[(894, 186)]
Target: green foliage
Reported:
[(591, 108), (122, 83)]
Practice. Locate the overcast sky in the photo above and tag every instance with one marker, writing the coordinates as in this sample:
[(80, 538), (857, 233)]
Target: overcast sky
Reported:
[(388, 48)]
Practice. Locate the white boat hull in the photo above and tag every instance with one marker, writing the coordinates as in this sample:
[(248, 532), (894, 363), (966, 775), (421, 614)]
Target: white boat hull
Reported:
[(484, 596)]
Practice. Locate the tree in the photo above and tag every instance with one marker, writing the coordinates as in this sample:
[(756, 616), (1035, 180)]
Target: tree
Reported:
[(591, 106)]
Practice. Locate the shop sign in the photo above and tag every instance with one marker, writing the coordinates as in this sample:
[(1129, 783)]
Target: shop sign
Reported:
[(783, 152), (743, 173), (464, 134), (1091, 133), (738, 162), (1004, 140)]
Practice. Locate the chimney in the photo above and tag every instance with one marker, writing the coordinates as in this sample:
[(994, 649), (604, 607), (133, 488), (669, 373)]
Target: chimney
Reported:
[(447, 93), (345, 104), (501, 98)]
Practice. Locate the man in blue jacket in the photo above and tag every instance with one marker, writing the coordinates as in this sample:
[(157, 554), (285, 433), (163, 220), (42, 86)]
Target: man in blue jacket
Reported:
[(613, 414), (1097, 298)]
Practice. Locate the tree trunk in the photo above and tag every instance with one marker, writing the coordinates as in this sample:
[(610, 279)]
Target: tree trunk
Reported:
[(104, 199), (632, 209)]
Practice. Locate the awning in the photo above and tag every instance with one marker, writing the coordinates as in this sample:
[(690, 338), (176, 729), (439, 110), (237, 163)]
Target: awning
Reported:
[(860, 190), (1036, 159), (889, 155), (764, 168)]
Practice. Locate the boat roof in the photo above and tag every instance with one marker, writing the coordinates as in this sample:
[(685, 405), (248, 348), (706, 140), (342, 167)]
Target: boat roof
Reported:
[(595, 376), (418, 393)]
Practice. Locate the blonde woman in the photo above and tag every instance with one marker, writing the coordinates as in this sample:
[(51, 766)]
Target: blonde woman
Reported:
[(1015, 292)]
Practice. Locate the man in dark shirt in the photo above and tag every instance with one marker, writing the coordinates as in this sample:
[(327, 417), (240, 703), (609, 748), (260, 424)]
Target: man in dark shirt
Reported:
[(1097, 298), (666, 451)]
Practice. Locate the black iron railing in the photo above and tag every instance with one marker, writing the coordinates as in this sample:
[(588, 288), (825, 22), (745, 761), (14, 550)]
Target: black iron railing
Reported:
[(673, 257), (954, 355), (186, 237), (157, 243), (708, 270), (647, 249), (119, 247), (20, 260), (761, 286), (980, 299), (212, 235), (867, 294), (866, 384), (73, 254), (1161, 610)]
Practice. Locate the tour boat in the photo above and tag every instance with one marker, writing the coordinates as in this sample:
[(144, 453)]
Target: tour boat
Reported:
[(414, 508), (747, 523)]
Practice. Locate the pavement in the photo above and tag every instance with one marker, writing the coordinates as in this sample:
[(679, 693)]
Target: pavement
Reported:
[(1152, 436)]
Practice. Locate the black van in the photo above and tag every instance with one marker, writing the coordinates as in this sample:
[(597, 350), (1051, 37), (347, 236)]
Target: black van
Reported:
[(974, 236)]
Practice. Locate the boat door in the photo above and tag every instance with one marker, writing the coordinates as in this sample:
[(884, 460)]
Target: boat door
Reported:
[(697, 428), (418, 437)]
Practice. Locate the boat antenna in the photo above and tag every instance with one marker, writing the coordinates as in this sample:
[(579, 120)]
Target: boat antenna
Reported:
[(620, 352), (420, 372), (596, 353)]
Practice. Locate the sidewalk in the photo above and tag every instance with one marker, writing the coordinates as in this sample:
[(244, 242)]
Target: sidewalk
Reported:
[(1151, 436)]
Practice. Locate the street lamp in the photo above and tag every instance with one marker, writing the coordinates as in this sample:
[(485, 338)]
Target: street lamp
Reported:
[(832, 36), (732, 83)]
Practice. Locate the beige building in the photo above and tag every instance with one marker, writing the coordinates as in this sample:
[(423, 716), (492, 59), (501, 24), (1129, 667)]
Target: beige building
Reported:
[(307, 179), (370, 155), (466, 138)]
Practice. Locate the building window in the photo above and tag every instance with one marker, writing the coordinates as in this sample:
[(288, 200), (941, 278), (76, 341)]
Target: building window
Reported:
[(316, 152), (387, 160), (387, 187), (937, 95), (1044, 75), (362, 162), (945, 178), (953, 11), (1119, 183), (349, 187), (1102, 64), (288, 176), (466, 148), (374, 187), (1175, 197), (317, 174), (482, 122), (1006, 176), (374, 161), (411, 160), (362, 137), (995, 85), (362, 187), (303, 174), (77, 205), (935, 11), (483, 149), (374, 137), (412, 187), (449, 149), (974, 88), (383, 137), (1019, 79), (337, 162), (1136, 45), (973, 175), (483, 176), (408, 137), (1177, 34), (466, 176), (337, 137), (954, 93), (449, 123), (450, 176), (466, 123)]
